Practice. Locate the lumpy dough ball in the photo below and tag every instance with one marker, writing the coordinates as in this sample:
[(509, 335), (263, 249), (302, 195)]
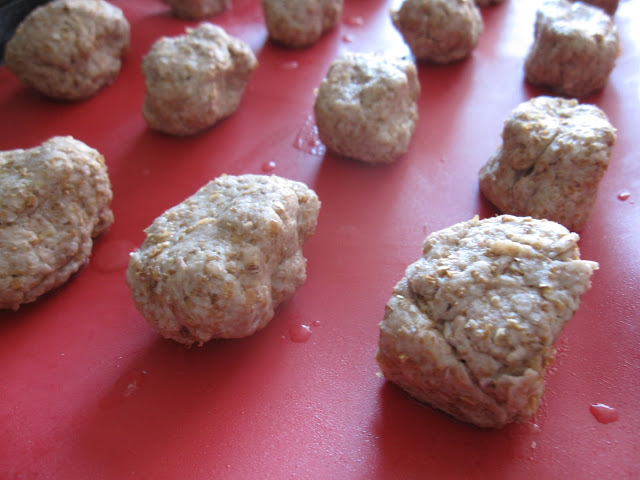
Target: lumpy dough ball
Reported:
[(471, 327), (69, 49), (195, 80), (218, 264), (300, 23), (54, 199), (609, 6), (366, 106), (574, 49), (553, 155), (440, 31), (197, 9)]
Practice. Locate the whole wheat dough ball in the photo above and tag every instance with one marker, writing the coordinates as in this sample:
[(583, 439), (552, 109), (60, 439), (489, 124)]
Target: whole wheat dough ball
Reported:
[(471, 327), (69, 49), (300, 23), (439, 31), (197, 9), (218, 264), (366, 107), (553, 156), (574, 49), (54, 199), (195, 80)]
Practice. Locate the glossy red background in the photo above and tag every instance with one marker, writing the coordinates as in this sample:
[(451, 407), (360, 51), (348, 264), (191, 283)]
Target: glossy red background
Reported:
[(88, 390)]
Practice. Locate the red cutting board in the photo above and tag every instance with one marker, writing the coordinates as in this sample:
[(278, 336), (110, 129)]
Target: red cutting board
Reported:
[(89, 391)]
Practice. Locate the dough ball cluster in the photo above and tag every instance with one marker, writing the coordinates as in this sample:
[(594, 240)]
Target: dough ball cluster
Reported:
[(195, 80), (552, 158), (366, 106), (54, 199), (218, 264), (471, 327), (439, 31), (575, 48), (69, 49)]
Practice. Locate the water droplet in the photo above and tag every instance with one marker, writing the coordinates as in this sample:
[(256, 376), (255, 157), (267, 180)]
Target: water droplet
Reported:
[(354, 21), (268, 167), (315, 323), (308, 140), (299, 333), (604, 413), (346, 38), (292, 65), (623, 196), (112, 256)]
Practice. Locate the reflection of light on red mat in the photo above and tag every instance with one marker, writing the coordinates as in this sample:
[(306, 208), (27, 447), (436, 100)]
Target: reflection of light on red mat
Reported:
[(308, 140), (604, 413)]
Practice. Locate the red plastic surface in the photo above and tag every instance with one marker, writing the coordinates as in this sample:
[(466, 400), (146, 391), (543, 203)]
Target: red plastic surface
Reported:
[(89, 391)]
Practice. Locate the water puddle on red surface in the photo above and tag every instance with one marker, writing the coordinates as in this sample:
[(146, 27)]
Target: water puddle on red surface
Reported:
[(624, 196), (308, 140), (604, 413), (299, 333), (112, 256), (268, 167)]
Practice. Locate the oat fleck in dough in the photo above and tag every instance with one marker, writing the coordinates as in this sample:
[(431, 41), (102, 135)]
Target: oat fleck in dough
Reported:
[(54, 199), (69, 49), (195, 80), (553, 156), (366, 107), (574, 49), (439, 31), (300, 23), (471, 327), (197, 9), (218, 264)]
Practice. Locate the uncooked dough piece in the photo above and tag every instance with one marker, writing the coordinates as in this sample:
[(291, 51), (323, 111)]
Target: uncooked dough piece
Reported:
[(575, 48), (553, 156), (218, 264), (300, 23), (366, 107), (197, 9), (471, 327), (54, 199), (440, 31), (195, 80), (69, 49)]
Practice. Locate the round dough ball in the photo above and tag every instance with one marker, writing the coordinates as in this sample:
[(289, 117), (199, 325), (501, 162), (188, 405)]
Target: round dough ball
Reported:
[(471, 327), (366, 107), (218, 264), (553, 156), (300, 23), (69, 49), (574, 49), (439, 31), (54, 199), (195, 80)]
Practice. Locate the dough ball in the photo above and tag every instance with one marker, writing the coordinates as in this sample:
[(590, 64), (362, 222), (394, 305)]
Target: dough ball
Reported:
[(471, 327), (574, 49), (69, 49), (54, 199), (197, 9), (195, 80), (218, 264), (300, 23), (439, 31), (366, 107), (553, 155)]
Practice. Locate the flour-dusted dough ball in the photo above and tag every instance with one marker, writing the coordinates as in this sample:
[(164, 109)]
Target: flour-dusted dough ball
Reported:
[(574, 49), (609, 6), (218, 264), (197, 9), (471, 327), (366, 107), (195, 80), (54, 199), (553, 155), (69, 49), (440, 31), (300, 23)]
